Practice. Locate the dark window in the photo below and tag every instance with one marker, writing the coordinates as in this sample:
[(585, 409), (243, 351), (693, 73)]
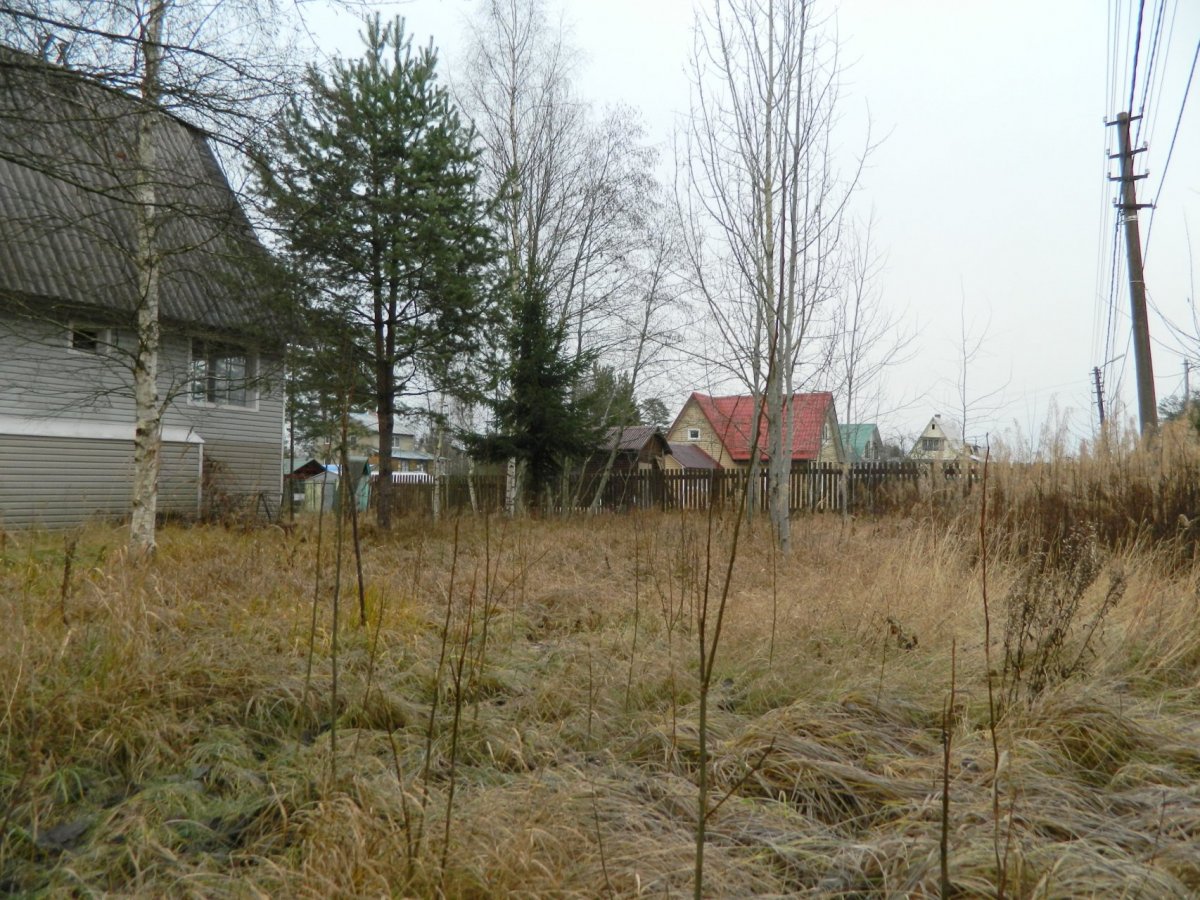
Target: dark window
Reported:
[(87, 339)]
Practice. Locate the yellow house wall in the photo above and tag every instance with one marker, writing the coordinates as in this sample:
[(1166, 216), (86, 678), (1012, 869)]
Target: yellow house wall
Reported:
[(692, 417), (829, 449)]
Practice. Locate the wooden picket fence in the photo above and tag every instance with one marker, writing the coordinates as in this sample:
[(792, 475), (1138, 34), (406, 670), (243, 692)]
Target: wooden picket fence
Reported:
[(864, 488)]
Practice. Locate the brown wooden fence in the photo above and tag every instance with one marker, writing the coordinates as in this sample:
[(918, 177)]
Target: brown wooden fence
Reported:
[(823, 487)]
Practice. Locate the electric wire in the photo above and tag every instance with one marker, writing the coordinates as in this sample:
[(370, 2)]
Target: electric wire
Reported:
[(1171, 150), (1162, 68), (1148, 77), (1137, 49)]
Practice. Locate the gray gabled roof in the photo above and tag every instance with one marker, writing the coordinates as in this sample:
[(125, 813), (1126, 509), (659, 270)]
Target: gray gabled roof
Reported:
[(630, 437), (692, 457), (67, 229)]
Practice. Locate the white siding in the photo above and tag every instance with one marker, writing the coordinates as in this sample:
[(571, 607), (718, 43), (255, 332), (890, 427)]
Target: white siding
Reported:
[(62, 481), (41, 378)]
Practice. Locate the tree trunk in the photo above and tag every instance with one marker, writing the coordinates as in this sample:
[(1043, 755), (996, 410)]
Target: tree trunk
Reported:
[(779, 465), (436, 501), (147, 433)]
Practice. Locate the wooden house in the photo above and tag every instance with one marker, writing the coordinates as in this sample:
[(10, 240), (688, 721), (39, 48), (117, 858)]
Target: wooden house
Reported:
[(69, 291), (722, 428), (942, 441), (862, 443), (639, 448)]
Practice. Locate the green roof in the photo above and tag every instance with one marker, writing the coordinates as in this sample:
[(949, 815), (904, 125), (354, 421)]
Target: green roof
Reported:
[(855, 439)]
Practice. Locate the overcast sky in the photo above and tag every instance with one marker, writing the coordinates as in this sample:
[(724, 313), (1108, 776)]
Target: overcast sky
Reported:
[(989, 187)]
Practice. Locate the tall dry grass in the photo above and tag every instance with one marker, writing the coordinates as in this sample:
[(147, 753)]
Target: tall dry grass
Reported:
[(156, 736)]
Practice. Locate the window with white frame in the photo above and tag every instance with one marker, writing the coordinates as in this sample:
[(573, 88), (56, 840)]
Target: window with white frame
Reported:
[(86, 338), (693, 434), (220, 374)]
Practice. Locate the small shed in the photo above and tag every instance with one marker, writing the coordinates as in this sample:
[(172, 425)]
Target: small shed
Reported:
[(690, 458), (638, 448), (322, 482)]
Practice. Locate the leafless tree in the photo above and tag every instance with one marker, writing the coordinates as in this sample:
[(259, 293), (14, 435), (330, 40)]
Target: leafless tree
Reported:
[(765, 193), (650, 325), (871, 336), (573, 185), (576, 188), (971, 403)]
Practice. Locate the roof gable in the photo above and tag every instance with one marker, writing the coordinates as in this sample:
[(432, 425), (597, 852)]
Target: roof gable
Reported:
[(630, 437), (731, 417), (856, 438), (67, 201)]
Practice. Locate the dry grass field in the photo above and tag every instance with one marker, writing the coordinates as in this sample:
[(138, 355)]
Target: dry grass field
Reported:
[(519, 715)]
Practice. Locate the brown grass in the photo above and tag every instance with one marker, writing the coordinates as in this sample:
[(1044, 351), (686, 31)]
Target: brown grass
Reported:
[(159, 742)]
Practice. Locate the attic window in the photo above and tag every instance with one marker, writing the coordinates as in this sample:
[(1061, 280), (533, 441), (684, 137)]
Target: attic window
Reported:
[(88, 338), (931, 444), (220, 374), (693, 434)]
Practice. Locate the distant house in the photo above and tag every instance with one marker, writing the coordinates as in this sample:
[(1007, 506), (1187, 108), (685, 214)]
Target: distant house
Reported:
[(69, 291), (722, 428), (405, 455), (862, 443), (639, 448), (364, 441), (942, 440)]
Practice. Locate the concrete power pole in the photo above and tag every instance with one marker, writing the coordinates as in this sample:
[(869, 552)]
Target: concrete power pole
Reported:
[(1147, 403), (1099, 393)]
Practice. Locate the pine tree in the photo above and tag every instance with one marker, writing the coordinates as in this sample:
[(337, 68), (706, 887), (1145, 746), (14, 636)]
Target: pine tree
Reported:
[(373, 181)]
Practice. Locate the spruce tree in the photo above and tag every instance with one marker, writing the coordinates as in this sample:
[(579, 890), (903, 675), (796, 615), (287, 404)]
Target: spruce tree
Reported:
[(537, 421)]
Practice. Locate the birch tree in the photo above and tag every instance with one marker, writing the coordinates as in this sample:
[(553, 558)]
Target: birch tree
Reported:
[(766, 203), (204, 61), (572, 185)]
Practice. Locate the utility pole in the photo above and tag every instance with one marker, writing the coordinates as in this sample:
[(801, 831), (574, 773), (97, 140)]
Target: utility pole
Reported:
[(1147, 404), (1099, 393)]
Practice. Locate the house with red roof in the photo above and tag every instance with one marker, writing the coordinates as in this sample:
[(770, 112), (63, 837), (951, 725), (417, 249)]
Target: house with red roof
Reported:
[(722, 427)]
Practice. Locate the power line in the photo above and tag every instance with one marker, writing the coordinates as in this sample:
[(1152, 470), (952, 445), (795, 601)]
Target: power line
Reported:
[(1161, 69), (1137, 49), (1148, 78), (1171, 150), (1110, 333)]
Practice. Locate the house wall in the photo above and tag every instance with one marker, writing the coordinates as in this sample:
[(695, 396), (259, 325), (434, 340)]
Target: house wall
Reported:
[(831, 447), (692, 417), (58, 481), (951, 446), (42, 380)]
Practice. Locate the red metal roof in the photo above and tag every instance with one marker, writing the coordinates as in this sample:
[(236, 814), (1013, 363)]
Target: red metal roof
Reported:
[(730, 418)]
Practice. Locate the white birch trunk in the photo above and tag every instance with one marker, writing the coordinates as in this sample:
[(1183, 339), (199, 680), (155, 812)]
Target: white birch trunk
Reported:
[(147, 440)]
